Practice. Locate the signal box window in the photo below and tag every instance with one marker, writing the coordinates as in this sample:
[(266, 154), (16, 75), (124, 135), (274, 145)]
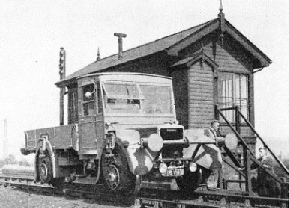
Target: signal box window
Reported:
[(233, 91), (88, 100)]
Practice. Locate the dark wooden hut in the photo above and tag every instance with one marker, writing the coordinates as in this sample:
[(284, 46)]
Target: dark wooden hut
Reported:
[(212, 65)]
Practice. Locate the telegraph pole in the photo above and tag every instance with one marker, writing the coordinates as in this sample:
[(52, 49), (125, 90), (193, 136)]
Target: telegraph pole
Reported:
[(62, 67)]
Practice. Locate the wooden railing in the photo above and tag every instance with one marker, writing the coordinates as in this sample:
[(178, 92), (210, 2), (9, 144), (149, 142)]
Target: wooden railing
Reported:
[(247, 153)]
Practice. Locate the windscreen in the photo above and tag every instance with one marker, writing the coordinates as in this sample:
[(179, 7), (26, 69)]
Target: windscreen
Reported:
[(137, 98), (157, 99), (122, 98)]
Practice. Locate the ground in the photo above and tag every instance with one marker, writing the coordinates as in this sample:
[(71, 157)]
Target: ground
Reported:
[(13, 198)]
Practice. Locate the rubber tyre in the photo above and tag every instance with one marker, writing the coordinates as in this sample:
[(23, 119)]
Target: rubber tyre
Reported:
[(190, 180), (126, 180)]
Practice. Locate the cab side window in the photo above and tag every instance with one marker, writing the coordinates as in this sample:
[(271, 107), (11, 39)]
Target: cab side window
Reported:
[(88, 100)]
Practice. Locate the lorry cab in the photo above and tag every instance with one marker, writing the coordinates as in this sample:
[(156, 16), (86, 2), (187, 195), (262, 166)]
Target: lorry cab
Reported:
[(109, 102)]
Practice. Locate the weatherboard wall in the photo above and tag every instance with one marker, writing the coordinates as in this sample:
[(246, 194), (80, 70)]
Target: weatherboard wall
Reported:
[(203, 77), (201, 95)]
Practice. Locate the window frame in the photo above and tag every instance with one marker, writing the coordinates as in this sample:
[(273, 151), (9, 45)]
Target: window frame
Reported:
[(88, 101), (235, 94)]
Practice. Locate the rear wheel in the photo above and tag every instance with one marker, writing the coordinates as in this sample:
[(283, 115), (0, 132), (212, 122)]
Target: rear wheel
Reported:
[(190, 180), (44, 167), (116, 173)]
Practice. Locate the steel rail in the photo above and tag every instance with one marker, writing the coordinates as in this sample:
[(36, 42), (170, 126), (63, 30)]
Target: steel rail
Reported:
[(148, 197)]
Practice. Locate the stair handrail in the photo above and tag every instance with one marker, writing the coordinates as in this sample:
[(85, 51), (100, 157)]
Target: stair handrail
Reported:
[(252, 156), (264, 143), (235, 132)]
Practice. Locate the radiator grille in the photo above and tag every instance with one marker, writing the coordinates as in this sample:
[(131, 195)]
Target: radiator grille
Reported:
[(172, 151), (171, 133)]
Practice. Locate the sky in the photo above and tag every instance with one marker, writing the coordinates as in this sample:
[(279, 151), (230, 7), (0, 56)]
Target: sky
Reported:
[(33, 31)]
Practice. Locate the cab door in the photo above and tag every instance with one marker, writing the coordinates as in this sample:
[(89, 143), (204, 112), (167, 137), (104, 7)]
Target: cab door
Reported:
[(99, 118), (87, 116)]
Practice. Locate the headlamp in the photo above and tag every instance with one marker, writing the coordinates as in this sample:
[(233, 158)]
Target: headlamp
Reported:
[(154, 142), (163, 168)]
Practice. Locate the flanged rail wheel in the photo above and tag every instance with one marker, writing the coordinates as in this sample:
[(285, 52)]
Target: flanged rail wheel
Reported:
[(116, 173), (43, 172), (112, 177)]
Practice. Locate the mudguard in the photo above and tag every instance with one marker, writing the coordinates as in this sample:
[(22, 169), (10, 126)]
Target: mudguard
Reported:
[(46, 146), (140, 160), (207, 155)]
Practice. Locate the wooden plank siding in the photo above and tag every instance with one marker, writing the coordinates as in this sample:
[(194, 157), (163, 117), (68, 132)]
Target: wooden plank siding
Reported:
[(201, 96), (230, 58), (203, 80)]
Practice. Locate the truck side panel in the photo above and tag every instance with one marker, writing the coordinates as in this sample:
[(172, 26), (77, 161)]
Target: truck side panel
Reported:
[(65, 136), (60, 137)]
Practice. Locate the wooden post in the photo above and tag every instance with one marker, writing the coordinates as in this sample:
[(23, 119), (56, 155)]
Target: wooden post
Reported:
[(216, 112), (237, 120), (247, 172)]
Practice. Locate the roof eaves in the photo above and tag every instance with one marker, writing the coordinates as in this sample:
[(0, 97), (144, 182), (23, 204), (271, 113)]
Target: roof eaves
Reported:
[(263, 58)]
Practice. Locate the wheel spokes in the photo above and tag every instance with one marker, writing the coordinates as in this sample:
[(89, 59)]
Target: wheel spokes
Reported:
[(112, 177)]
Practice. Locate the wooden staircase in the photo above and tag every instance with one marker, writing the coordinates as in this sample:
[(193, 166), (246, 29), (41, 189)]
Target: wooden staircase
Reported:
[(247, 144)]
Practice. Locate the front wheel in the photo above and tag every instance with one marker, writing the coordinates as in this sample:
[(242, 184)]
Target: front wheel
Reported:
[(116, 173)]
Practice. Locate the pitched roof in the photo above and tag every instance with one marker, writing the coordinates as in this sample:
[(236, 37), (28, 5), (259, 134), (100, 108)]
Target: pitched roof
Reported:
[(138, 52), (248, 45), (172, 44)]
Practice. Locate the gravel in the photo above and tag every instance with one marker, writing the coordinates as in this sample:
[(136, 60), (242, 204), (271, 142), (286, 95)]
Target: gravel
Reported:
[(13, 198)]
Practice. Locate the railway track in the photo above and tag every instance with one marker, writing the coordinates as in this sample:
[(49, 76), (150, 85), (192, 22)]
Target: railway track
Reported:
[(205, 198), (98, 193), (148, 196)]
